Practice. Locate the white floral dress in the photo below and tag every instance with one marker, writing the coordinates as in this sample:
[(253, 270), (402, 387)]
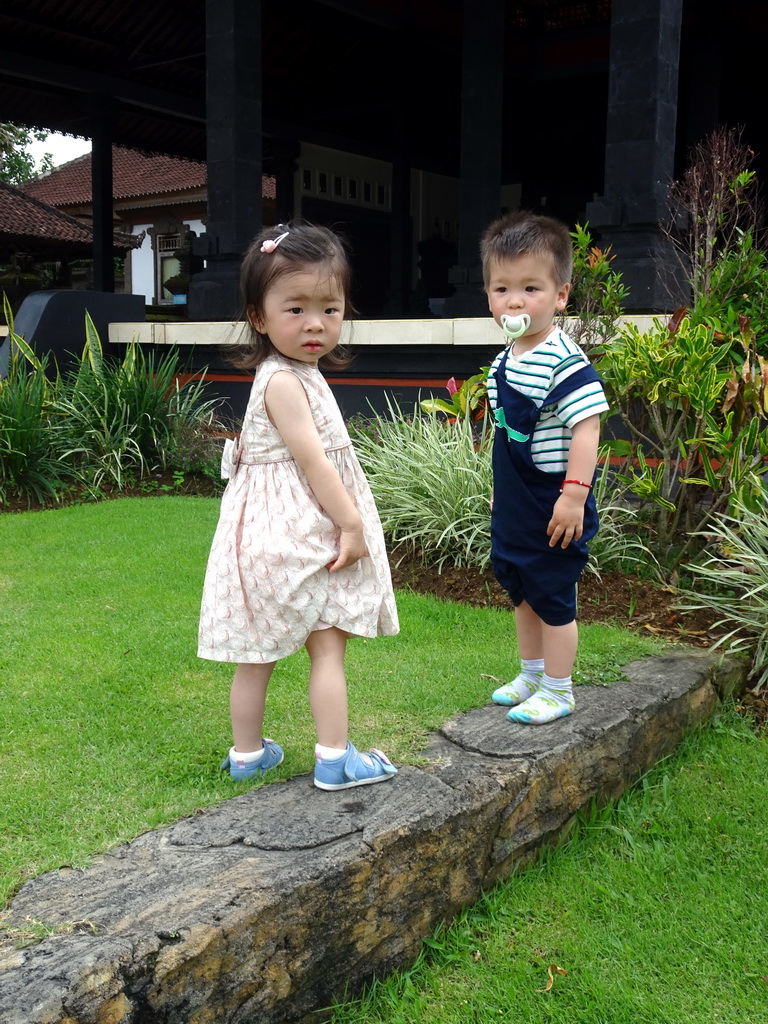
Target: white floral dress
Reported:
[(267, 586)]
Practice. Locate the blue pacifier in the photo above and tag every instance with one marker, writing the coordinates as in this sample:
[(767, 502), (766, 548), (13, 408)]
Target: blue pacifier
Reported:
[(514, 326)]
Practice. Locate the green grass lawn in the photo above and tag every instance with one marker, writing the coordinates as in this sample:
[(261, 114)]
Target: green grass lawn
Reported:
[(656, 909), (111, 725)]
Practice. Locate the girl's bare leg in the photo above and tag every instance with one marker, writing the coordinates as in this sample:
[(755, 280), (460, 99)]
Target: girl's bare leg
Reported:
[(246, 705), (328, 686)]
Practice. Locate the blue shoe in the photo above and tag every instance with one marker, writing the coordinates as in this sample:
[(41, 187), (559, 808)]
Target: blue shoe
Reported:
[(239, 770), (352, 769)]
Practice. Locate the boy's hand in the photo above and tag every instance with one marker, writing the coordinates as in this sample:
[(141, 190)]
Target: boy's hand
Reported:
[(351, 549), (567, 522)]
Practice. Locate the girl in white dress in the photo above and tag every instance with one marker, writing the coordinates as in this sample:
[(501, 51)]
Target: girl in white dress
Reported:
[(298, 558)]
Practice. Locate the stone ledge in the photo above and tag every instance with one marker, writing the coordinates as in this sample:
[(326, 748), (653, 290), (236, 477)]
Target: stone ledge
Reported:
[(270, 905)]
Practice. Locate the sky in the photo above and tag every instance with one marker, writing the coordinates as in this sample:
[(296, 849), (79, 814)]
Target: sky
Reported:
[(62, 148)]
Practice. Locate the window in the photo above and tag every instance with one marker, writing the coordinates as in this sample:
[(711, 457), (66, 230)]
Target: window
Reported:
[(168, 265)]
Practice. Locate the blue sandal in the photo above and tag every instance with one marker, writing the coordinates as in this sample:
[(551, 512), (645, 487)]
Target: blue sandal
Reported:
[(239, 770), (353, 769)]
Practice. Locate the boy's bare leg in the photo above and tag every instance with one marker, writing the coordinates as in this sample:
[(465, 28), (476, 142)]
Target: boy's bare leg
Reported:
[(556, 645), (530, 643), (530, 632), (560, 644)]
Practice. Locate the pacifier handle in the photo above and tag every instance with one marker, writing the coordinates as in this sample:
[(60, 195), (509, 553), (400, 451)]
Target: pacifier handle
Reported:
[(514, 326)]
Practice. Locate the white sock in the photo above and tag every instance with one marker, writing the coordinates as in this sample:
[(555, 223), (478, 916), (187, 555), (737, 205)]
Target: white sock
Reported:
[(532, 669), (329, 753), (523, 685), (553, 700), (246, 757)]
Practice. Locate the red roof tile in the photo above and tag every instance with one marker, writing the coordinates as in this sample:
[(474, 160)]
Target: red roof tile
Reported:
[(28, 221), (133, 174)]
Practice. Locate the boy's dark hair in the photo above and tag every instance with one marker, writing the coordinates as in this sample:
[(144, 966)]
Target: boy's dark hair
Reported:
[(304, 247), (523, 232)]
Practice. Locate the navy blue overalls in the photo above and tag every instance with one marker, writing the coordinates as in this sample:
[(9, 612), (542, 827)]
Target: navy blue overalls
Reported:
[(524, 497)]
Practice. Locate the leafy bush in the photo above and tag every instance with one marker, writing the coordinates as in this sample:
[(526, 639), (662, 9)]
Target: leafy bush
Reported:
[(432, 484), (734, 581), (617, 545), (597, 294), (31, 444), (432, 481), (196, 450), (696, 431), (122, 417), (469, 399), (32, 462), (714, 216), (106, 420)]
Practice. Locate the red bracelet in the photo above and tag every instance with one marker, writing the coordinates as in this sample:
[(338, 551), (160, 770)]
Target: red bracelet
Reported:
[(579, 482)]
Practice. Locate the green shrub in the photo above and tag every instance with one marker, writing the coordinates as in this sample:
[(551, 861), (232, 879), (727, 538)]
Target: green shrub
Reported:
[(617, 545), (32, 463), (734, 581), (123, 417), (432, 480), (195, 449), (696, 433), (432, 484), (597, 295)]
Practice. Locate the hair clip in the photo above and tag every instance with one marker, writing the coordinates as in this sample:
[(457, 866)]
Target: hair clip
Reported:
[(270, 244)]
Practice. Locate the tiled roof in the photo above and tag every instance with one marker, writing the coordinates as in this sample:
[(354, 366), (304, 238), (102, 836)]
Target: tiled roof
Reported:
[(134, 174), (32, 223)]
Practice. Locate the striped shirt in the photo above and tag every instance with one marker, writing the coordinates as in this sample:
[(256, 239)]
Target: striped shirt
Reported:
[(536, 374)]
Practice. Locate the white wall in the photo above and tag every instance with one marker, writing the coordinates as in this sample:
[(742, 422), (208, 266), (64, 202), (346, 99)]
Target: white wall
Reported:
[(142, 265), (143, 260)]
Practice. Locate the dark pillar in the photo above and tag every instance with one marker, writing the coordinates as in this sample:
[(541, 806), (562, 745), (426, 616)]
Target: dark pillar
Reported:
[(284, 163), (233, 112), (482, 97), (103, 203), (705, 66), (400, 246), (640, 147)]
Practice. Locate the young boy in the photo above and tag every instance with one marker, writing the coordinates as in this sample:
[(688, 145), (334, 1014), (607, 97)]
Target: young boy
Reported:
[(546, 399)]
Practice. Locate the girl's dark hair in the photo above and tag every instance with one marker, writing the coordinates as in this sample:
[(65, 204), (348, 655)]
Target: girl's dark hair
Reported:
[(523, 232), (304, 247)]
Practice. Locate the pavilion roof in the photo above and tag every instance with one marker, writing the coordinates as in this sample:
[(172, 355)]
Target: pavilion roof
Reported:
[(134, 175), (29, 225)]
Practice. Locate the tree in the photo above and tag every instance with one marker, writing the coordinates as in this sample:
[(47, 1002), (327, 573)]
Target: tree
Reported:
[(16, 164)]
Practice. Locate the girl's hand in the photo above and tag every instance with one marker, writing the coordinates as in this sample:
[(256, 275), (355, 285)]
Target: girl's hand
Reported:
[(567, 522), (351, 549)]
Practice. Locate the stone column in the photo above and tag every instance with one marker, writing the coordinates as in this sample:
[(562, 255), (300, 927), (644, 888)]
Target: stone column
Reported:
[(233, 125), (102, 192), (640, 146), (285, 154), (400, 247), (482, 96)]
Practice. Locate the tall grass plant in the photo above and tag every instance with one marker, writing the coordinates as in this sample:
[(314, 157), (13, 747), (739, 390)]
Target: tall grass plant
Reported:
[(733, 580), (432, 482), (122, 416)]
